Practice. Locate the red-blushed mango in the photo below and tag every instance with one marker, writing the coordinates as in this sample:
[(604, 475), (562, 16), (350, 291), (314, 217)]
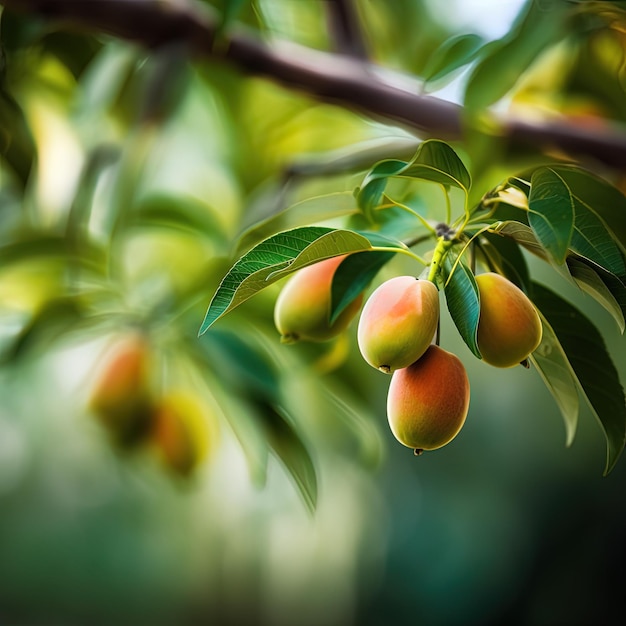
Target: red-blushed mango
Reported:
[(181, 432), (398, 322), (509, 327), (428, 401), (302, 308), (121, 396)]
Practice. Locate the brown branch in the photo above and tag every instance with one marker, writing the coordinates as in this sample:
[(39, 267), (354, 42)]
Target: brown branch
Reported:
[(332, 78), (343, 24)]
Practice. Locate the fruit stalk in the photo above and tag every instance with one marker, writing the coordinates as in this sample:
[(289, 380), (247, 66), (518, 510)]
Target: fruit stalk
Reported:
[(441, 249)]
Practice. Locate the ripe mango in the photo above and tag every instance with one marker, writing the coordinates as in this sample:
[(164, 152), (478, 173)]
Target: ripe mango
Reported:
[(428, 401), (509, 327), (181, 432), (398, 322), (302, 309), (121, 395)]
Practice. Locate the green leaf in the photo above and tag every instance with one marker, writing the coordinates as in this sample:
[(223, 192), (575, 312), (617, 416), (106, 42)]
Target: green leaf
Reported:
[(599, 230), (381, 240), (510, 203), (599, 211), (253, 408), (505, 61), (523, 234), (97, 162), (551, 362), (508, 260), (354, 414), (54, 320), (590, 282), (615, 286), (232, 395), (289, 448), (352, 276), (462, 300), (90, 256), (242, 368), (332, 244), (600, 196), (163, 210), (433, 161), (551, 212), (370, 194), (17, 146), (274, 258), (595, 372), (231, 11), (452, 54), (592, 240), (309, 211), (436, 161)]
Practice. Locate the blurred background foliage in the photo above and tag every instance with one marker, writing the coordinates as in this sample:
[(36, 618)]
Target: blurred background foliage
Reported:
[(129, 182)]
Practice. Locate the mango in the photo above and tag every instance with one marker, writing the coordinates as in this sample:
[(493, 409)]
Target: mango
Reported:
[(398, 322), (181, 432), (121, 396), (302, 310), (428, 401), (509, 327)]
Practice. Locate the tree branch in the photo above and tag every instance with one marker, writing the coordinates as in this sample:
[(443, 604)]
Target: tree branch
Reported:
[(332, 78), (343, 24)]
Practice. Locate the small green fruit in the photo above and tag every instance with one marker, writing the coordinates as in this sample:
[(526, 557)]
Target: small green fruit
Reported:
[(302, 308), (509, 327), (428, 401), (398, 323)]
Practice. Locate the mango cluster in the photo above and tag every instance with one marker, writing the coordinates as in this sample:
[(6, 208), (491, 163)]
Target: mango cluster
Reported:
[(428, 398), (429, 392), (127, 403)]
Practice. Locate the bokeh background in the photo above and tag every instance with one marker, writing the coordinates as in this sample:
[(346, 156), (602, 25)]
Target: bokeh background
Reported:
[(126, 181)]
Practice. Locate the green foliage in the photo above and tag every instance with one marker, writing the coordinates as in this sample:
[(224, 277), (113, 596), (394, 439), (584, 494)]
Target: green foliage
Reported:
[(504, 256), (144, 227), (589, 280), (143, 187), (452, 54), (554, 368), (353, 276), (597, 377), (180, 182), (462, 299), (551, 213), (552, 222), (542, 24), (434, 161), (274, 259)]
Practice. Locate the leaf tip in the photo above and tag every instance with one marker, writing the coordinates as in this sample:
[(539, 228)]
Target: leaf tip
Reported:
[(611, 460)]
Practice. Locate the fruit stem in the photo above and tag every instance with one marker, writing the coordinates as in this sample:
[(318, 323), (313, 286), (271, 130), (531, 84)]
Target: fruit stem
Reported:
[(443, 245), (406, 251), (408, 209)]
